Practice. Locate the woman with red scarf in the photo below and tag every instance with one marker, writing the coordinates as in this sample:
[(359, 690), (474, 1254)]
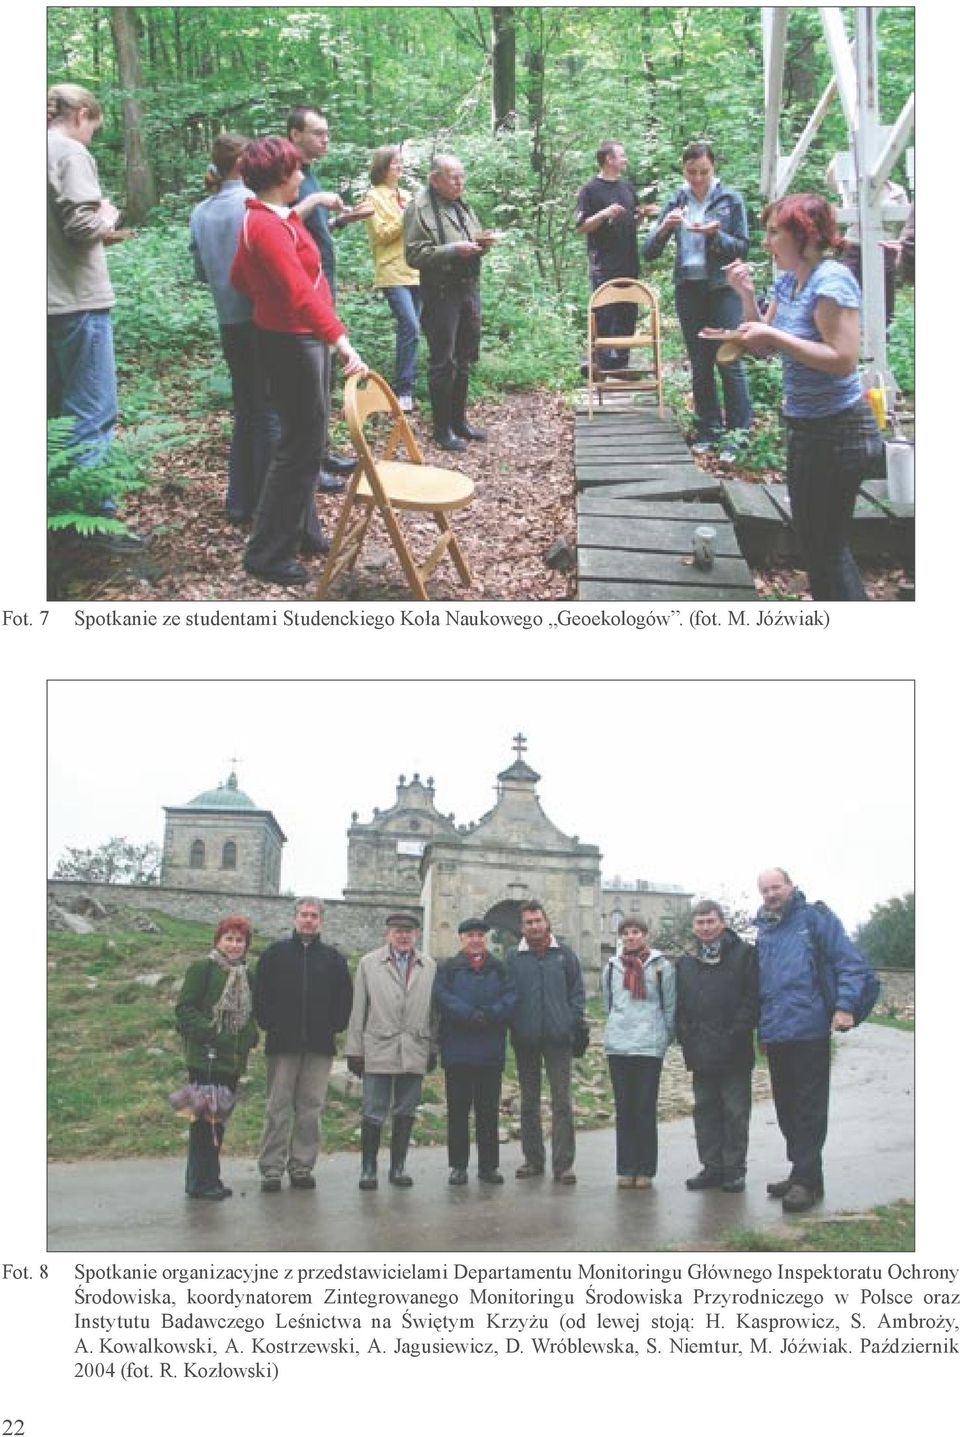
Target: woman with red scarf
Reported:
[(277, 266), (639, 991)]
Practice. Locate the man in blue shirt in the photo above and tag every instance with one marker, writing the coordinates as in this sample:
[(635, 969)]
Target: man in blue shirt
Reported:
[(309, 130)]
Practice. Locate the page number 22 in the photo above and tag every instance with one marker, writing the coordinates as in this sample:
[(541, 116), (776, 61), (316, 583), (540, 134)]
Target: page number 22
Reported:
[(12, 1427)]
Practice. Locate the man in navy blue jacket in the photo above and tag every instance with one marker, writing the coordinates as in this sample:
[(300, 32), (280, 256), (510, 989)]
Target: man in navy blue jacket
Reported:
[(475, 998), (811, 979)]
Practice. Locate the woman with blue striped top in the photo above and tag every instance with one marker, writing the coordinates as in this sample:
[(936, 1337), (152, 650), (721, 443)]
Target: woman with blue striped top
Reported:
[(813, 321)]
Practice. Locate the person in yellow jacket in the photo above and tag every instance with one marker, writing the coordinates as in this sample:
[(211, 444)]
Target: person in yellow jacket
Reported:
[(400, 284)]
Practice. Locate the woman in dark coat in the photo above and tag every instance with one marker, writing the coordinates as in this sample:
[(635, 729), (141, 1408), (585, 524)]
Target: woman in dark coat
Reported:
[(475, 998), (215, 1019)]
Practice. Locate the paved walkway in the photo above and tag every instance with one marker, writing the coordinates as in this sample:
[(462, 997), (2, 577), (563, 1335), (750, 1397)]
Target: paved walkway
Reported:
[(140, 1206)]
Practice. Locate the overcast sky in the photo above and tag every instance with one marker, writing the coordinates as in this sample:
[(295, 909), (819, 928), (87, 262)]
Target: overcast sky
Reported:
[(701, 784)]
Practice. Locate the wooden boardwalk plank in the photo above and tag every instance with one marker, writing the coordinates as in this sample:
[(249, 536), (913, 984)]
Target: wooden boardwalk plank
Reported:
[(646, 536), (665, 485), (751, 501), (661, 568), (876, 490), (594, 504), (602, 591), (618, 442)]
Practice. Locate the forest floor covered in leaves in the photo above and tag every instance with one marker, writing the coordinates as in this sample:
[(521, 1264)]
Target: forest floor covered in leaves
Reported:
[(524, 501)]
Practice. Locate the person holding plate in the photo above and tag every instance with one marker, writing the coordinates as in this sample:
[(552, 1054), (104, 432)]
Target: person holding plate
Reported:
[(709, 223), (813, 321)]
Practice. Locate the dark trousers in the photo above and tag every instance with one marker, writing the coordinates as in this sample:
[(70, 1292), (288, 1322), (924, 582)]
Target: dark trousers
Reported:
[(721, 1120), (557, 1062), (451, 320), (826, 462), (636, 1086), (256, 428), (469, 1086), (800, 1078), (205, 1142), (297, 367), (615, 320), (699, 306)]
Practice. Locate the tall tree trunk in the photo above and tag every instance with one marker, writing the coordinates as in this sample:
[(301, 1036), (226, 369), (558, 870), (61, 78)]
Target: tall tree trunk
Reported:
[(95, 38), (536, 64), (504, 66), (141, 188)]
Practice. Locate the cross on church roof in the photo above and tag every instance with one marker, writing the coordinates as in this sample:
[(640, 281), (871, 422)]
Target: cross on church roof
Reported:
[(519, 743)]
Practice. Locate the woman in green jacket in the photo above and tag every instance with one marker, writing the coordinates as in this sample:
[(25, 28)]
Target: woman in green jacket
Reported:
[(215, 1020)]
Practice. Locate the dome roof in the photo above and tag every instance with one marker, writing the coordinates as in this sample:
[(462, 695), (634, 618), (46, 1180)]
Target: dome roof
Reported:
[(228, 795)]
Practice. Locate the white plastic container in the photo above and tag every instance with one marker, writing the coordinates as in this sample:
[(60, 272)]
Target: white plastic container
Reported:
[(900, 484)]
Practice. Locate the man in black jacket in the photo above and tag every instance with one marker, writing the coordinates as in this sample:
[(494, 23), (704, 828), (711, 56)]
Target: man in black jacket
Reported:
[(544, 1026), (302, 999), (717, 1009)]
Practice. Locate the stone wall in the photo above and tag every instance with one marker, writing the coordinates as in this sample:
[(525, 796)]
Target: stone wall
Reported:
[(897, 992), (354, 926)]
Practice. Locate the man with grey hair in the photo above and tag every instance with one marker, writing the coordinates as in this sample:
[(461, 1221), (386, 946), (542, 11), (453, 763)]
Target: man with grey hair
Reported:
[(391, 1042), (444, 240), (302, 999)]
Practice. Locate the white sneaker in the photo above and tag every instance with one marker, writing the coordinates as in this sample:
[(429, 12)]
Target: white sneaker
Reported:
[(406, 403)]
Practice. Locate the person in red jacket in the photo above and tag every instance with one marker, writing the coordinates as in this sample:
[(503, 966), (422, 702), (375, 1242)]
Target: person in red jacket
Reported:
[(277, 266)]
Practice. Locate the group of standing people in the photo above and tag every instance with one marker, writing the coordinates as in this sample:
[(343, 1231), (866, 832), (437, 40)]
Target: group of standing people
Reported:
[(403, 1013), (263, 242), (810, 317)]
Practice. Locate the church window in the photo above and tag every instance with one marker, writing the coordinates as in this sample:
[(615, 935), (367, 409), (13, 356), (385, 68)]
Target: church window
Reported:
[(229, 854), (616, 918), (198, 854)]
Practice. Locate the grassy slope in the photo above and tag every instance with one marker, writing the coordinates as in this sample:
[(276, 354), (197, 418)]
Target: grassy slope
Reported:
[(114, 1054)]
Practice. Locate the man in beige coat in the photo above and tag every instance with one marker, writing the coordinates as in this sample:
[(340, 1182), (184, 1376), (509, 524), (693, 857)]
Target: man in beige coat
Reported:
[(391, 1043)]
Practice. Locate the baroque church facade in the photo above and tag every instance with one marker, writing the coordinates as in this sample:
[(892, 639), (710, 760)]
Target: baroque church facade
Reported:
[(412, 854)]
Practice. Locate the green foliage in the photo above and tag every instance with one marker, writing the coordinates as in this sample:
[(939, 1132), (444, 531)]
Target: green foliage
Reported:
[(655, 76), (77, 492), (888, 936), (162, 313), (900, 344), (881, 1229), (118, 860)]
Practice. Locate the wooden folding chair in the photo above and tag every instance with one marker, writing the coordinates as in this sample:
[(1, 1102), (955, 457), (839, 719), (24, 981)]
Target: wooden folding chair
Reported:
[(644, 372), (384, 485)]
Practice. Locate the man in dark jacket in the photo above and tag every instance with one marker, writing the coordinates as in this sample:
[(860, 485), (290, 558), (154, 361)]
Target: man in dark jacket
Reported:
[(444, 240), (475, 999), (811, 979), (717, 1009), (309, 130), (302, 1000), (550, 1004)]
